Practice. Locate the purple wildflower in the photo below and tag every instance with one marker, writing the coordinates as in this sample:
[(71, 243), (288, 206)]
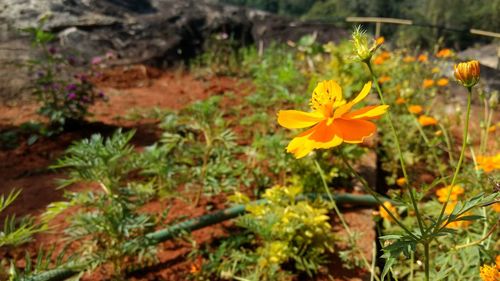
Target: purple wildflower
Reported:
[(71, 87), (71, 96), (96, 60)]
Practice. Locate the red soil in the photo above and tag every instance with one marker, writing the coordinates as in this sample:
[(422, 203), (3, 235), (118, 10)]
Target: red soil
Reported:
[(140, 88)]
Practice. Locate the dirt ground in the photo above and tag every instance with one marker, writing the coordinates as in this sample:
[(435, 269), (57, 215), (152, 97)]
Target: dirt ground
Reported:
[(129, 90)]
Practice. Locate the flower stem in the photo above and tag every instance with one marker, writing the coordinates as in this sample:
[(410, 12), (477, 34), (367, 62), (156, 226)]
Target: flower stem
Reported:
[(367, 188), (342, 220), (400, 153), (427, 260), (460, 160)]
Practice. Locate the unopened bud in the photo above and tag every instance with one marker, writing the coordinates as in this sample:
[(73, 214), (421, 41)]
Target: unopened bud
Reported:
[(467, 73)]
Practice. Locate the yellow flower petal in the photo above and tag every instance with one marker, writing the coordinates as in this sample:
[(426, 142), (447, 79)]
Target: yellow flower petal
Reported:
[(295, 119), (368, 112), (364, 92)]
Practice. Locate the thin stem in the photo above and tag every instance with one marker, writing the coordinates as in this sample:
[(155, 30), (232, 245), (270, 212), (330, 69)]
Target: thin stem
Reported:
[(477, 241), (428, 143), (460, 159), (448, 143), (427, 260), (342, 220), (400, 153), (367, 188)]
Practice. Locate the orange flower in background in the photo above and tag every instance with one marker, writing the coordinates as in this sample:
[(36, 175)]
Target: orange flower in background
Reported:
[(442, 82), (488, 163), (422, 58), (456, 191), (492, 128), (401, 182), (415, 109), (456, 224), (384, 78), (427, 83), (384, 214), (467, 73), (489, 273), (425, 120), (400, 100), (497, 262), (496, 208), (409, 59), (378, 60), (331, 119), (444, 53)]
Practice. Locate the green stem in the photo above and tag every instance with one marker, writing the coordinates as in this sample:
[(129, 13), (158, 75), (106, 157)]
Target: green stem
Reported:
[(428, 143), (427, 260), (460, 160), (367, 188), (342, 220), (400, 153)]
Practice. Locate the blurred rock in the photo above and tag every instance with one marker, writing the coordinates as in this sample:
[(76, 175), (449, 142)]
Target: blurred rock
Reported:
[(155, 32)]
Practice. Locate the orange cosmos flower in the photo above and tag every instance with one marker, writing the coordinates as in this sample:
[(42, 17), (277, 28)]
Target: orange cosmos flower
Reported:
[(378, 60), (427, 83), (408, 59), (497, 261), (384, 214), (415, 109), (496, 208), (492, 128), (467, 73), (488, 163), (332, 120), (456, 191), (444, 53), (401, 182), (400, 100), (425, 120), (422, 58), (489, 273), (442, 82), (384, 78)]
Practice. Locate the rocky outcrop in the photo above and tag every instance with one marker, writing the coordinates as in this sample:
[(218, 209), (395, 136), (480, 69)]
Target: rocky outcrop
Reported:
[(157, 32)]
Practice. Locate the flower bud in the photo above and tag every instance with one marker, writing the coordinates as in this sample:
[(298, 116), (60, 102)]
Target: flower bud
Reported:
[(360, 40), (493, 101), (467, 73)]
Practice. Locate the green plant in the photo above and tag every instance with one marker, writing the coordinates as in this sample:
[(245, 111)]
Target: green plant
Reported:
[(64, 92), (285, 231), (108, 218)]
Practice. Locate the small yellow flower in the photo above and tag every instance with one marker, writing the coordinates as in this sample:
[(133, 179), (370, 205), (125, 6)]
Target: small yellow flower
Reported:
[(380, 40), (427, 83), (456, 191), (415, 109), (489, 273), (400, 100), (488, 163), (384, 78), (384, 214), (467, 73), (401, 182), (438, 133), (409, 59), (422, 58), (442, 82), (492, 128), (332, 120), (425, 120), (444, 53)]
